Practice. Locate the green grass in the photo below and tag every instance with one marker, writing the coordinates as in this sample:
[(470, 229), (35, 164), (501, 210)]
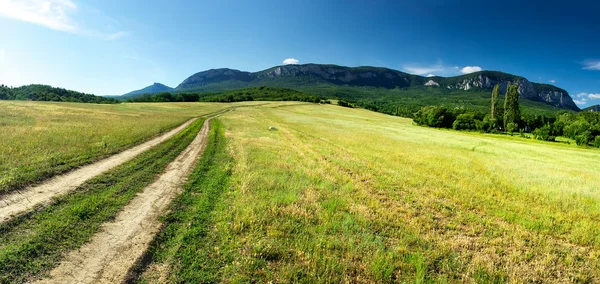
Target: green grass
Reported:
[(185, 243), (34, 243), (347, 195), (42, 139)]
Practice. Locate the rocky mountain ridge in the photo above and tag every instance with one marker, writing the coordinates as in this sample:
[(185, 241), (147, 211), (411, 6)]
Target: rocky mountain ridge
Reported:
[(309, 75)]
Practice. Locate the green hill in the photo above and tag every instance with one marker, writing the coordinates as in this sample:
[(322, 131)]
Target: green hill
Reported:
[(49, 93)]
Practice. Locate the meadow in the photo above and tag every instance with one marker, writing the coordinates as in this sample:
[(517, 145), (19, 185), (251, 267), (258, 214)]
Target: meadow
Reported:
[(348, 195), (333, 195), (42, 139)]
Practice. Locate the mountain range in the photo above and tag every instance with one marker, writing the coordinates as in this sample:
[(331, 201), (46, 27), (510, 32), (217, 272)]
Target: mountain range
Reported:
[(374, 85)]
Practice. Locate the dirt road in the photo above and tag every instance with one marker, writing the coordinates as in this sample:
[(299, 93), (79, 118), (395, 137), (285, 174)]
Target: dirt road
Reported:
[(110, 254), (22, 201)]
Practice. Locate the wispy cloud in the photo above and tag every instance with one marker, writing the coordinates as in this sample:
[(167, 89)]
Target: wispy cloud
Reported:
[(594, 96), (584, 98), (470, 69), (53, 14), (591, 64), (291, 61), (552, 81), (438, 69), (424, 69)]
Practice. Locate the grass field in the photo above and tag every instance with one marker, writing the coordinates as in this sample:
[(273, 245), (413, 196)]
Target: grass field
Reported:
[(41, 139), (333, 195), (348, 195), (34, 243)]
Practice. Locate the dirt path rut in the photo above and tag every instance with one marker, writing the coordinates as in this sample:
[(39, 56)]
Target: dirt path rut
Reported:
[(110, 254), (24, 200)]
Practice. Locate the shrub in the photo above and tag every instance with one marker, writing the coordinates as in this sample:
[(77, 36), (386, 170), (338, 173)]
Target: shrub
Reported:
[(544, 133), (512, 127), (465, 121), (583, 138), (434, 116)]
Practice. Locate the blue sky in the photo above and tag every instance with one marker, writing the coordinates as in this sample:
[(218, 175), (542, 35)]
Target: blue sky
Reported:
[(109, 47)]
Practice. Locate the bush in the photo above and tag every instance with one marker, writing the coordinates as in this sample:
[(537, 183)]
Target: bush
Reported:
[(597, 141), (544, 133), (583, 138), (434, 116), (512, 127), (465, 121)]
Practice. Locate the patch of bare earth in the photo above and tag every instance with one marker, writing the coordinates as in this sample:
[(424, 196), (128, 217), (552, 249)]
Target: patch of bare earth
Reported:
[(22, 201), (110, 254)]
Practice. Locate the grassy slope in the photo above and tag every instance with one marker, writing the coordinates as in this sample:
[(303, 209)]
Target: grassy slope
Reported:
[(347, 195), (34, 243), (41, 139)]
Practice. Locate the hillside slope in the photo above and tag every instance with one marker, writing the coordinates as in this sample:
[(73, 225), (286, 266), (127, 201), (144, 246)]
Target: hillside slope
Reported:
[(594, 108)]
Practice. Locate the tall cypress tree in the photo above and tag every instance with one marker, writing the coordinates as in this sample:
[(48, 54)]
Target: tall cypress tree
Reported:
[(512, 114), (495, 93)]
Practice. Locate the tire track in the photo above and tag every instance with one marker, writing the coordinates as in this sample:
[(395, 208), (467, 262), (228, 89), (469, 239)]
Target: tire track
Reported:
[(18, 202), (110, 254)]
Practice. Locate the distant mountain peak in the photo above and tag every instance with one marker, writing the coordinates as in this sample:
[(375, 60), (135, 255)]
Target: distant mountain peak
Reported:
[(152, 89)]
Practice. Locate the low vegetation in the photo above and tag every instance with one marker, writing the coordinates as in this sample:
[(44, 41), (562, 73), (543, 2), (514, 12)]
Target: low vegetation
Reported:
[(34, 243), (41, 139)]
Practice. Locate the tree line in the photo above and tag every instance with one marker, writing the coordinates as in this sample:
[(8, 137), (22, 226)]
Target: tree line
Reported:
[(582, 127), (250, 94), (48, 93)]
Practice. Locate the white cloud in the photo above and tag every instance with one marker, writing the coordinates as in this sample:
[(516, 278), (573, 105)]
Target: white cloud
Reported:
[(53, 14), (591, 65), (584, 97), (581, 101), (552, 81), (439, 69), (594, 96), (291, 61), (470, 69)]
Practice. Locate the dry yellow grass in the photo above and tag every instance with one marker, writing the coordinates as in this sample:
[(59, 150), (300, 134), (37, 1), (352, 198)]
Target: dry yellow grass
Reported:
[(348, 195), (40, 139)]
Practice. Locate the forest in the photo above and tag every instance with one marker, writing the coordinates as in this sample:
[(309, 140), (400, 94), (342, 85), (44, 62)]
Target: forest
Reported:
[(49, 93), (582, 127)]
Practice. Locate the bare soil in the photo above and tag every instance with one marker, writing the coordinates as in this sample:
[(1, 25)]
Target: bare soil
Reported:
[(24, 200)]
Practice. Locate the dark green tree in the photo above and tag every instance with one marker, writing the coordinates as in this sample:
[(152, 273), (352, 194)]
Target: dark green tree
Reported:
[(495, 93), (512, 113)]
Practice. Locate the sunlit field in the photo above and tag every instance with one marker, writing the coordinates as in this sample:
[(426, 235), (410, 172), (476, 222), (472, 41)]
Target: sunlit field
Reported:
[(348, 195), (40, 139)]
